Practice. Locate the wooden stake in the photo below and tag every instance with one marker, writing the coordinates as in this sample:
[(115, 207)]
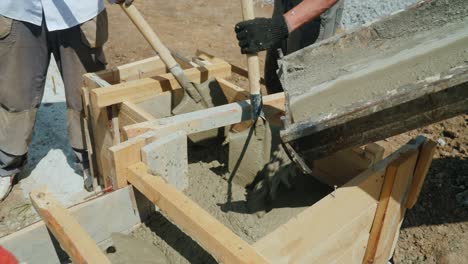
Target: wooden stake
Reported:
[(422, 167)]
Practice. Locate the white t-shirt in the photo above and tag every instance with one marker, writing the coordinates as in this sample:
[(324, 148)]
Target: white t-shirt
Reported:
[(58, 14)]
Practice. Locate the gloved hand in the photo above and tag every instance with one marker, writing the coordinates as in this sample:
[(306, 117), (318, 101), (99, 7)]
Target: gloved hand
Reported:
[(127, 2), (261, 33)]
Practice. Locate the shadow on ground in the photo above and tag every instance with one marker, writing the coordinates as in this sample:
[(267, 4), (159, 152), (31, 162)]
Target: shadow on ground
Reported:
[(438, 202)]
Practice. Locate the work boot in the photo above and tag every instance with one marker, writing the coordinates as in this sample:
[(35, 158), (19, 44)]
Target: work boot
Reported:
[(6, 184), (10, 167)]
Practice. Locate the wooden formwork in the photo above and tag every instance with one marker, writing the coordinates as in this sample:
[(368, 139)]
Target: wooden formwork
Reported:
[(359, 222)]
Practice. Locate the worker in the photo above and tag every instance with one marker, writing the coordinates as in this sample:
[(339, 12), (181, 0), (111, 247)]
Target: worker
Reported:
[(30, 32), (294, 25)]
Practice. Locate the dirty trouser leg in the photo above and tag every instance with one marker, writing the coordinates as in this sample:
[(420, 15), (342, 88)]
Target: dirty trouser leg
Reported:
[(76, 55), (24, 59)]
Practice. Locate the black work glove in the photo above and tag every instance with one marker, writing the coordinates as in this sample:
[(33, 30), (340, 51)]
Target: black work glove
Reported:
[(127, 2), (261, 33)]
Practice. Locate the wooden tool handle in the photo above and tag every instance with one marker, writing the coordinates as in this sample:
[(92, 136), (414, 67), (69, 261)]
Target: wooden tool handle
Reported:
[(252, 59), (149, 35)]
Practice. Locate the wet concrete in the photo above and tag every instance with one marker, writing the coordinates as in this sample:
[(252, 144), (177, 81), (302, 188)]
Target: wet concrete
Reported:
[(371, 62)]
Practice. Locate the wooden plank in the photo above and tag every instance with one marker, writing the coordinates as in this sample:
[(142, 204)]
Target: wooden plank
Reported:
[(133, 71), (293, 242), (346, 239), (213, 236), (207, 119), (72, 237), (144, 88), (422, 167), (390, 211), (122, 156)]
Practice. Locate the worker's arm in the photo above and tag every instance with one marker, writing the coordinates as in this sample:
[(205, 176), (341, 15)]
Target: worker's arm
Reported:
[(263, 33)]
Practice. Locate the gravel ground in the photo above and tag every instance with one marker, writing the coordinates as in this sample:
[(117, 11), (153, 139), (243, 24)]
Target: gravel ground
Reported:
[(359, 12)]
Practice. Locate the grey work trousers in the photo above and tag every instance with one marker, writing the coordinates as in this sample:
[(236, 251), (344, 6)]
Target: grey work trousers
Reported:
[(318, 29), (25, 52)]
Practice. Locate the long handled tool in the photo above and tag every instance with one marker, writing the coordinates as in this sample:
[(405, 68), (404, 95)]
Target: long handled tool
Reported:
[(195, 99), (253, 66)]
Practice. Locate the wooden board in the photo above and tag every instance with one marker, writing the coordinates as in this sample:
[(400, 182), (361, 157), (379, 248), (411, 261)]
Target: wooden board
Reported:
[(147, 87), (99, 128), (213, 236), (81, 248)]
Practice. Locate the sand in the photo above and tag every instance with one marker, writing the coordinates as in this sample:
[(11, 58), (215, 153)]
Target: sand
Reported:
[(400, 50)]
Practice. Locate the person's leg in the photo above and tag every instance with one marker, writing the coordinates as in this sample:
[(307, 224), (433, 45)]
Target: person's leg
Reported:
[(24, 59), (78, 50)]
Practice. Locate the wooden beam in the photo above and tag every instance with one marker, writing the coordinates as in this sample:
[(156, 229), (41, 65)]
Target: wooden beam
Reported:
[(143, 88), (68, 232), (213, 236), (102, 125), (133, 71), (207, 119), (422, 167), (391, 209)]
